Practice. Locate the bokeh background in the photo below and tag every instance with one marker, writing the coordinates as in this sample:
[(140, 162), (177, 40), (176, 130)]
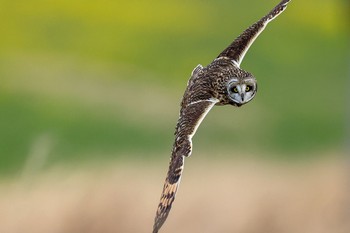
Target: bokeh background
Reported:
[(89, 98)]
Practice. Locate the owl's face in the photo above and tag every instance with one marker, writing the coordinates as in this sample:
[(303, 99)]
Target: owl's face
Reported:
[(241, 90)]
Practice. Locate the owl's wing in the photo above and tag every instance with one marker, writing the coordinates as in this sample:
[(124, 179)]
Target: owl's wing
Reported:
[(238, 48), (190, 118)]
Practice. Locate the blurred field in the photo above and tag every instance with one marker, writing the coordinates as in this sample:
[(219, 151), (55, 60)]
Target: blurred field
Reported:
[(89, 99), (228, 196)]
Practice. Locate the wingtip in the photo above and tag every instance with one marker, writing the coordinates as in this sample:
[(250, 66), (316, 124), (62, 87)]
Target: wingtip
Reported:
[(277, 10), (284, 3), (170, 188)]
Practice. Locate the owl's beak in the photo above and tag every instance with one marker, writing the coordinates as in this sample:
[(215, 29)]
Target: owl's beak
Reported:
[(242, 97)]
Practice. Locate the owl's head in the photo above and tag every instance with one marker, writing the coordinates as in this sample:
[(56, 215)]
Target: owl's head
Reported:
[(241, 90), (231, 84)]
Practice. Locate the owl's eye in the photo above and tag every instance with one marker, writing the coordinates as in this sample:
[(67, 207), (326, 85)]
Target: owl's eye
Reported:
[(234, 89), (248, 88)]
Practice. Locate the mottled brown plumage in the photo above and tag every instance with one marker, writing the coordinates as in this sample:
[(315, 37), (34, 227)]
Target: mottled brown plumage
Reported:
[(222, 82)]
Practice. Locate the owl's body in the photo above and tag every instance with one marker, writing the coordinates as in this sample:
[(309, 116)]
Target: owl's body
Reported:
[(222, 82), (211, 82)]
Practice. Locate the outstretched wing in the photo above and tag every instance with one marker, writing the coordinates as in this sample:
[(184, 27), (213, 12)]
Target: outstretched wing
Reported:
[(239, 47), (190, 118)]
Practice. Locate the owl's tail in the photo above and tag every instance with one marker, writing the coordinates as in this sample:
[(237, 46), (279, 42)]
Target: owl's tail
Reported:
[(170, 188)]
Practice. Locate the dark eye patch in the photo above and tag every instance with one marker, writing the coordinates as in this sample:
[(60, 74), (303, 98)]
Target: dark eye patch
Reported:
[(249, 88), (234, 89)]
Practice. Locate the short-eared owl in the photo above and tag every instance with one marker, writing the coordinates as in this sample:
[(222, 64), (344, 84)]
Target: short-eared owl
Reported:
[(222, 82)]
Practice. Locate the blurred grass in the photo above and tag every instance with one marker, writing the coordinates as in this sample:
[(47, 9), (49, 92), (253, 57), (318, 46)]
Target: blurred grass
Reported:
[(240, 196), (105, 78)]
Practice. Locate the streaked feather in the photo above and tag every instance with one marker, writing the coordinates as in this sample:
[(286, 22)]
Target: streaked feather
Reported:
[(190, 118)]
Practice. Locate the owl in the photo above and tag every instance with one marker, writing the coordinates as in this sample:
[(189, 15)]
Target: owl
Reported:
[(222, 82)]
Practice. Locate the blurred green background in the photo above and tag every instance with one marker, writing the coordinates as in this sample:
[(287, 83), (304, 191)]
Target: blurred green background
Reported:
[(102, 80)]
